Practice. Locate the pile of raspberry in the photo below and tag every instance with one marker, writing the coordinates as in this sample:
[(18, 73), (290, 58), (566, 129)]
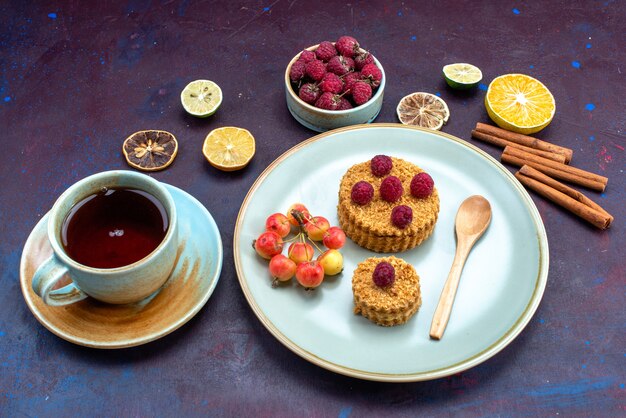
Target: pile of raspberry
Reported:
[(391, 190), (336, 76)]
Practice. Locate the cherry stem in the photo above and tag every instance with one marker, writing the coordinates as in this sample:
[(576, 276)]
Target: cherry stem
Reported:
[(295, 237), (299, 217), (315, 245)]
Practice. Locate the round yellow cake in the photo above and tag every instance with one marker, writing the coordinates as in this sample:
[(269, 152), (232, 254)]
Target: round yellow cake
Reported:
[(391, 305), (370, 225)]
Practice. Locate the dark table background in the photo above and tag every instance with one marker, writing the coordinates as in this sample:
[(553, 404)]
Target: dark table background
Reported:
[(76, 78)]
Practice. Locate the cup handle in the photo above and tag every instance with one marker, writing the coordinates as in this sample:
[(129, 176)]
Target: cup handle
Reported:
[(46, 276)]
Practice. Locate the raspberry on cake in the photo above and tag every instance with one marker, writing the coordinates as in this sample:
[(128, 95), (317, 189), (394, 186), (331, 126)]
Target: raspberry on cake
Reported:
[(386, 290), (384, 274), (381, 165), (394, 219), (362, 193), (401, 216), (391, 189)]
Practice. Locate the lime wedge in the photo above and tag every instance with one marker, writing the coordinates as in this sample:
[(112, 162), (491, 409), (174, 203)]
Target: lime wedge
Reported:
[(462, 76), (201, 98)]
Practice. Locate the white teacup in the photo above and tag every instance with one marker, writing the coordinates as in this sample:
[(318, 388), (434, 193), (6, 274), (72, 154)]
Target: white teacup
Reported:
[(119, 285)]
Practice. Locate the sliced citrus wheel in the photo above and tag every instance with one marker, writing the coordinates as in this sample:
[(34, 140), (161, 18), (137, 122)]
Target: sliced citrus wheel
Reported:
[(150, 150), (519, 103), (462, 76), (423, 109), (201, 98), (229, 148)]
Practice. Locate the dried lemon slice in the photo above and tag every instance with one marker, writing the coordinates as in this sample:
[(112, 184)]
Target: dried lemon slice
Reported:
[(229, 148), (150, 150), (201, 98), (423, 109), (519, 103)]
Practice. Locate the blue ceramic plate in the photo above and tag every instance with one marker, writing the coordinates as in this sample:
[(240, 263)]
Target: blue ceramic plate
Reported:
[(501, 286), (100, 325)]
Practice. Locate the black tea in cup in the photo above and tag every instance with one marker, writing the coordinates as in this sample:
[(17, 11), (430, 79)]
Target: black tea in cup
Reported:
[(114, 227)]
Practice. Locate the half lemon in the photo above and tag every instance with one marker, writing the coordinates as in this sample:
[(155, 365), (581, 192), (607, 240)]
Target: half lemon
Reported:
[(229, 148), (519, 103)]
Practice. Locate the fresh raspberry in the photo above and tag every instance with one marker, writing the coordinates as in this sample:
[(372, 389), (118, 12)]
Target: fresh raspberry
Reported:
[(316, 70), (349, 80), (344, 104), (361, 60), (347, 46), (328, 101), (340, 65), (401, 216), (372, 73), (332, 83), (362, 193), (307, 56), (309, 93), (325, 51), (391, 189), (422, 185), (361, 92), (381, 165), (384, 274), (297, 71)]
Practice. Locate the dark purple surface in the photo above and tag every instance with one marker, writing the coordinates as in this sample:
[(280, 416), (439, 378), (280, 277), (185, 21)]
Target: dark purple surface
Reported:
[(76, 80)]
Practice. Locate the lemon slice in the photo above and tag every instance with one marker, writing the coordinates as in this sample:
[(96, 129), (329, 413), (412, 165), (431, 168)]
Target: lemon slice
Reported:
[(229, 148), (462, 76), (519, 103), (201, 98), (423, 109)]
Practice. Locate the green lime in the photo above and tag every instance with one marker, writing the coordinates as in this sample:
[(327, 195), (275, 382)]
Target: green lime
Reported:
[(201, 98), (462, 76)]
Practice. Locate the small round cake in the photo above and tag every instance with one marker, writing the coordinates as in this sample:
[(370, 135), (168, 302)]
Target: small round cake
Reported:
[(386, 290), (387, 204)]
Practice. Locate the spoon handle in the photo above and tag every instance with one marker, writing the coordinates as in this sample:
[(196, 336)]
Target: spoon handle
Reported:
[(444, 308)]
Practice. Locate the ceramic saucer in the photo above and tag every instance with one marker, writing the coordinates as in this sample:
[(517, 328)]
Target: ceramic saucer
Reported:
[(95, 324)]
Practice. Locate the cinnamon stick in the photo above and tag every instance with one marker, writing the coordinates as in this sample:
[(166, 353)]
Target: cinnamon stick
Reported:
[(494, 140), (561, 175), (574, 194), (526, 140), (565, 172), (593, 216)]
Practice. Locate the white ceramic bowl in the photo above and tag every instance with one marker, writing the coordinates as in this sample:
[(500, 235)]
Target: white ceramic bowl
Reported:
[(321, 120)]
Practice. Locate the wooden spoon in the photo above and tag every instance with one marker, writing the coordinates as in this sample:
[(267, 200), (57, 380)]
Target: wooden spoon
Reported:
[(472, 220)]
